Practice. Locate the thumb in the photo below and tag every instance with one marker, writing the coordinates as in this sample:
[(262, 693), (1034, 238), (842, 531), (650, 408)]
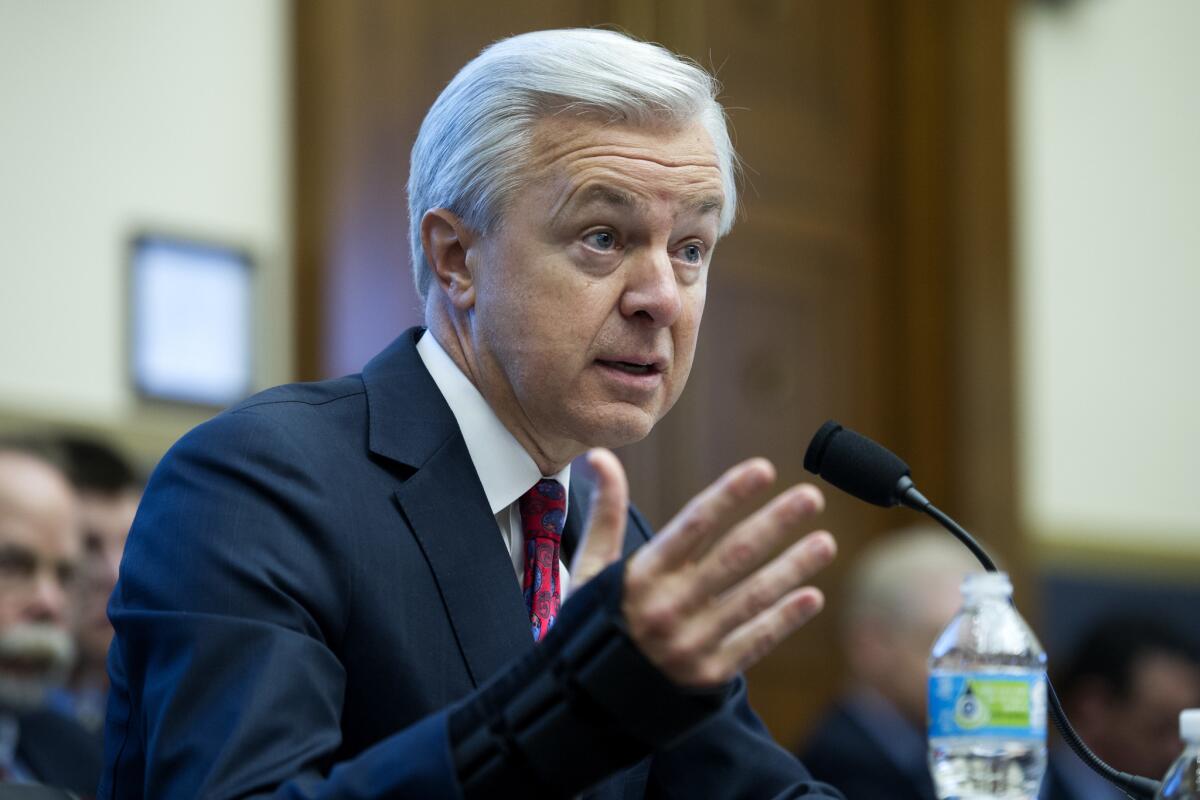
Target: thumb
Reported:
[(605, 532)]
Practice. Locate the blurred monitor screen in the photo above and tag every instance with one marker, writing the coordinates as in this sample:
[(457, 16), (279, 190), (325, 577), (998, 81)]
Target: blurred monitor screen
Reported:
[(192, 325)]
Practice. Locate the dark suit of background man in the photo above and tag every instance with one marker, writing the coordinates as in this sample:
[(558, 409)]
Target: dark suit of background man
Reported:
[(322, 593)]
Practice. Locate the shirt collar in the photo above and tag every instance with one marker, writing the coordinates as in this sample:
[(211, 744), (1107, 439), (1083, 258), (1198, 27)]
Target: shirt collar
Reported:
[(504, 468)]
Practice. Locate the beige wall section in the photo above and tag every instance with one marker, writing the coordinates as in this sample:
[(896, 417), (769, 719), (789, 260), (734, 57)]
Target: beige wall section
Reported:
[(119, 116), (1108, 190)]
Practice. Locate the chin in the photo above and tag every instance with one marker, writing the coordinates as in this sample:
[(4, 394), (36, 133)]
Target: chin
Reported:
[(614, 428)]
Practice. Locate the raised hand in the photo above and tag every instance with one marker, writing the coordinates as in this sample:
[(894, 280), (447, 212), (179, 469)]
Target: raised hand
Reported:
[(705, 598)]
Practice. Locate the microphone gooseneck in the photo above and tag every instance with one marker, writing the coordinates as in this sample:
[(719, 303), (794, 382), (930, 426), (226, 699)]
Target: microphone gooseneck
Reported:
[(869, 471)]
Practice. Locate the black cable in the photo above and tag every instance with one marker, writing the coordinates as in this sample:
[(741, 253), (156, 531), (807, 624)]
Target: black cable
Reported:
[(962, 536)]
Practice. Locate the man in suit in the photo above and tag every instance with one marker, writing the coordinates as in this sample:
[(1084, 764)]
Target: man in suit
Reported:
[(334, 590), (1123, 688), (902, 592), (108, 490), (39, 553)]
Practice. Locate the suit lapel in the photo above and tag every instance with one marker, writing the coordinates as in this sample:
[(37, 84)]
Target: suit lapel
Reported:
[(446, 509), (576, 516)]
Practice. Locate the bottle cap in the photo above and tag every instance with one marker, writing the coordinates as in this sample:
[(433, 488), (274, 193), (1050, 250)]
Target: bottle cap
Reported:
[(987, 583), (1189, 725)]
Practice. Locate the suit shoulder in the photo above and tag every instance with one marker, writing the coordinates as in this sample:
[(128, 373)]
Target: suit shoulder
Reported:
[(294, 397), (298, 411)]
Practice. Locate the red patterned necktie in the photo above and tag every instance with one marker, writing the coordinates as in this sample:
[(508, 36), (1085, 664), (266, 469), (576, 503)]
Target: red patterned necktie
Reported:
[(543, 511)]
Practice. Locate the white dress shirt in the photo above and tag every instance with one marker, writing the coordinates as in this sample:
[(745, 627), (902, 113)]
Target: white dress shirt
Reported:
[(504, 468)]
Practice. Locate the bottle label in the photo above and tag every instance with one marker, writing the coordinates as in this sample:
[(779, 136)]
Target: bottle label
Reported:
[(1002, 705)]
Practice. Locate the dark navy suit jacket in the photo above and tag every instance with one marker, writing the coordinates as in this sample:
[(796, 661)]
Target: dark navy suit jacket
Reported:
[(313, 577), (58, 751)]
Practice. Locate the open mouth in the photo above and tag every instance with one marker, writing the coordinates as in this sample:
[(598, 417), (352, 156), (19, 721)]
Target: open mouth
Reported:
[(630, 367)]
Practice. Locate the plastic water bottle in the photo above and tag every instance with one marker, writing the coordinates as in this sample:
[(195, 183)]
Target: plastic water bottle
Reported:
[(1183, 778), (987, 699)]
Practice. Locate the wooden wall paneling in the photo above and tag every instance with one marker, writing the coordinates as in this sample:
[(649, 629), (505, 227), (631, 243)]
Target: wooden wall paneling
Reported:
[(799, 296), (920, 163), (365, 74), (984, 365)]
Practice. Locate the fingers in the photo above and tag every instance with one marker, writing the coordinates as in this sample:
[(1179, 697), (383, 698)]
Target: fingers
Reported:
[(751, 542), (703, 520), (748, 644), (604, 534), (762, 591), (709, 647)]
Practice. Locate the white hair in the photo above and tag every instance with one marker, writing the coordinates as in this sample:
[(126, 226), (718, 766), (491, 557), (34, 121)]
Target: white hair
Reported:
[(473, 147), (892, 577)]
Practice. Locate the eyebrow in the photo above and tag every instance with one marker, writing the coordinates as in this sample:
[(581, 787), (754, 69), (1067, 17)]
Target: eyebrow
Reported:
[(610, 195), (708, 204)]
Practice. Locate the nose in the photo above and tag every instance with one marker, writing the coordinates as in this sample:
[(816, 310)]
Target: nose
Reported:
[(652, 292), (48, 601)]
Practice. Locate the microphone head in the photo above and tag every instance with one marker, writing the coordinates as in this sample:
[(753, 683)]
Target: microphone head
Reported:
[(856, 464)]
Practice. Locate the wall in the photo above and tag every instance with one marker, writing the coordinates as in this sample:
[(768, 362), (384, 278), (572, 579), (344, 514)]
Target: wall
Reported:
[(1109, 252), (120, 116)]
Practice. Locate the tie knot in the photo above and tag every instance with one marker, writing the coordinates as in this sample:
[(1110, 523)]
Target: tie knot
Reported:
[(543, 510)]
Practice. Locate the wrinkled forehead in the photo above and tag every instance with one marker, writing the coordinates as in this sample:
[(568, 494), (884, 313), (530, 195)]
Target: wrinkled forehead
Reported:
[(586, 161)]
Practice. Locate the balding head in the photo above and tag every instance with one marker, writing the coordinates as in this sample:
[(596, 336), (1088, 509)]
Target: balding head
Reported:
[(901, 593), (39, 551)]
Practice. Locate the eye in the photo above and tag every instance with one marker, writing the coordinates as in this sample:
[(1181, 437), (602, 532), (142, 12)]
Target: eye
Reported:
[(692, 253), (601, 240), (17, 563), (66, 574)]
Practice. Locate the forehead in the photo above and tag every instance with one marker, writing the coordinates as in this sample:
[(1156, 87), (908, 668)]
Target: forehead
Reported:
[(108, 514), (37, 508), (580, 161)]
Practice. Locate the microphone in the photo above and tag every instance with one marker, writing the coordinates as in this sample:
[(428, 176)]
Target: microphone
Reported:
[(869, 471), (861, 467)]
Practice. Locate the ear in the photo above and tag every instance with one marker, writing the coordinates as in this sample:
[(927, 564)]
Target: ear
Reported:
[(447, 242)]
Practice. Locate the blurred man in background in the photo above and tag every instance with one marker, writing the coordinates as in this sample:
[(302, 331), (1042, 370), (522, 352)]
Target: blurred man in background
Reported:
[(901, 593), (39, 554), (108, 489), (1123, 689)]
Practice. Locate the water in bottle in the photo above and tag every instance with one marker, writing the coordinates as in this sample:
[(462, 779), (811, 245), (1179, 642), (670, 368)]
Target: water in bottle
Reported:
[(987, 699), (1183, 778)]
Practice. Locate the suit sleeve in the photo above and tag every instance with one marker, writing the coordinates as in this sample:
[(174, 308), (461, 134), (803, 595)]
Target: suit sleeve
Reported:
[(226, 682)]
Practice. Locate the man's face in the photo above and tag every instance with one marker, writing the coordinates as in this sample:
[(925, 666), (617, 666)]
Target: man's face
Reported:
[(106, 521), (39, 552), (900, 641), (1143, 728), (589, 293)]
